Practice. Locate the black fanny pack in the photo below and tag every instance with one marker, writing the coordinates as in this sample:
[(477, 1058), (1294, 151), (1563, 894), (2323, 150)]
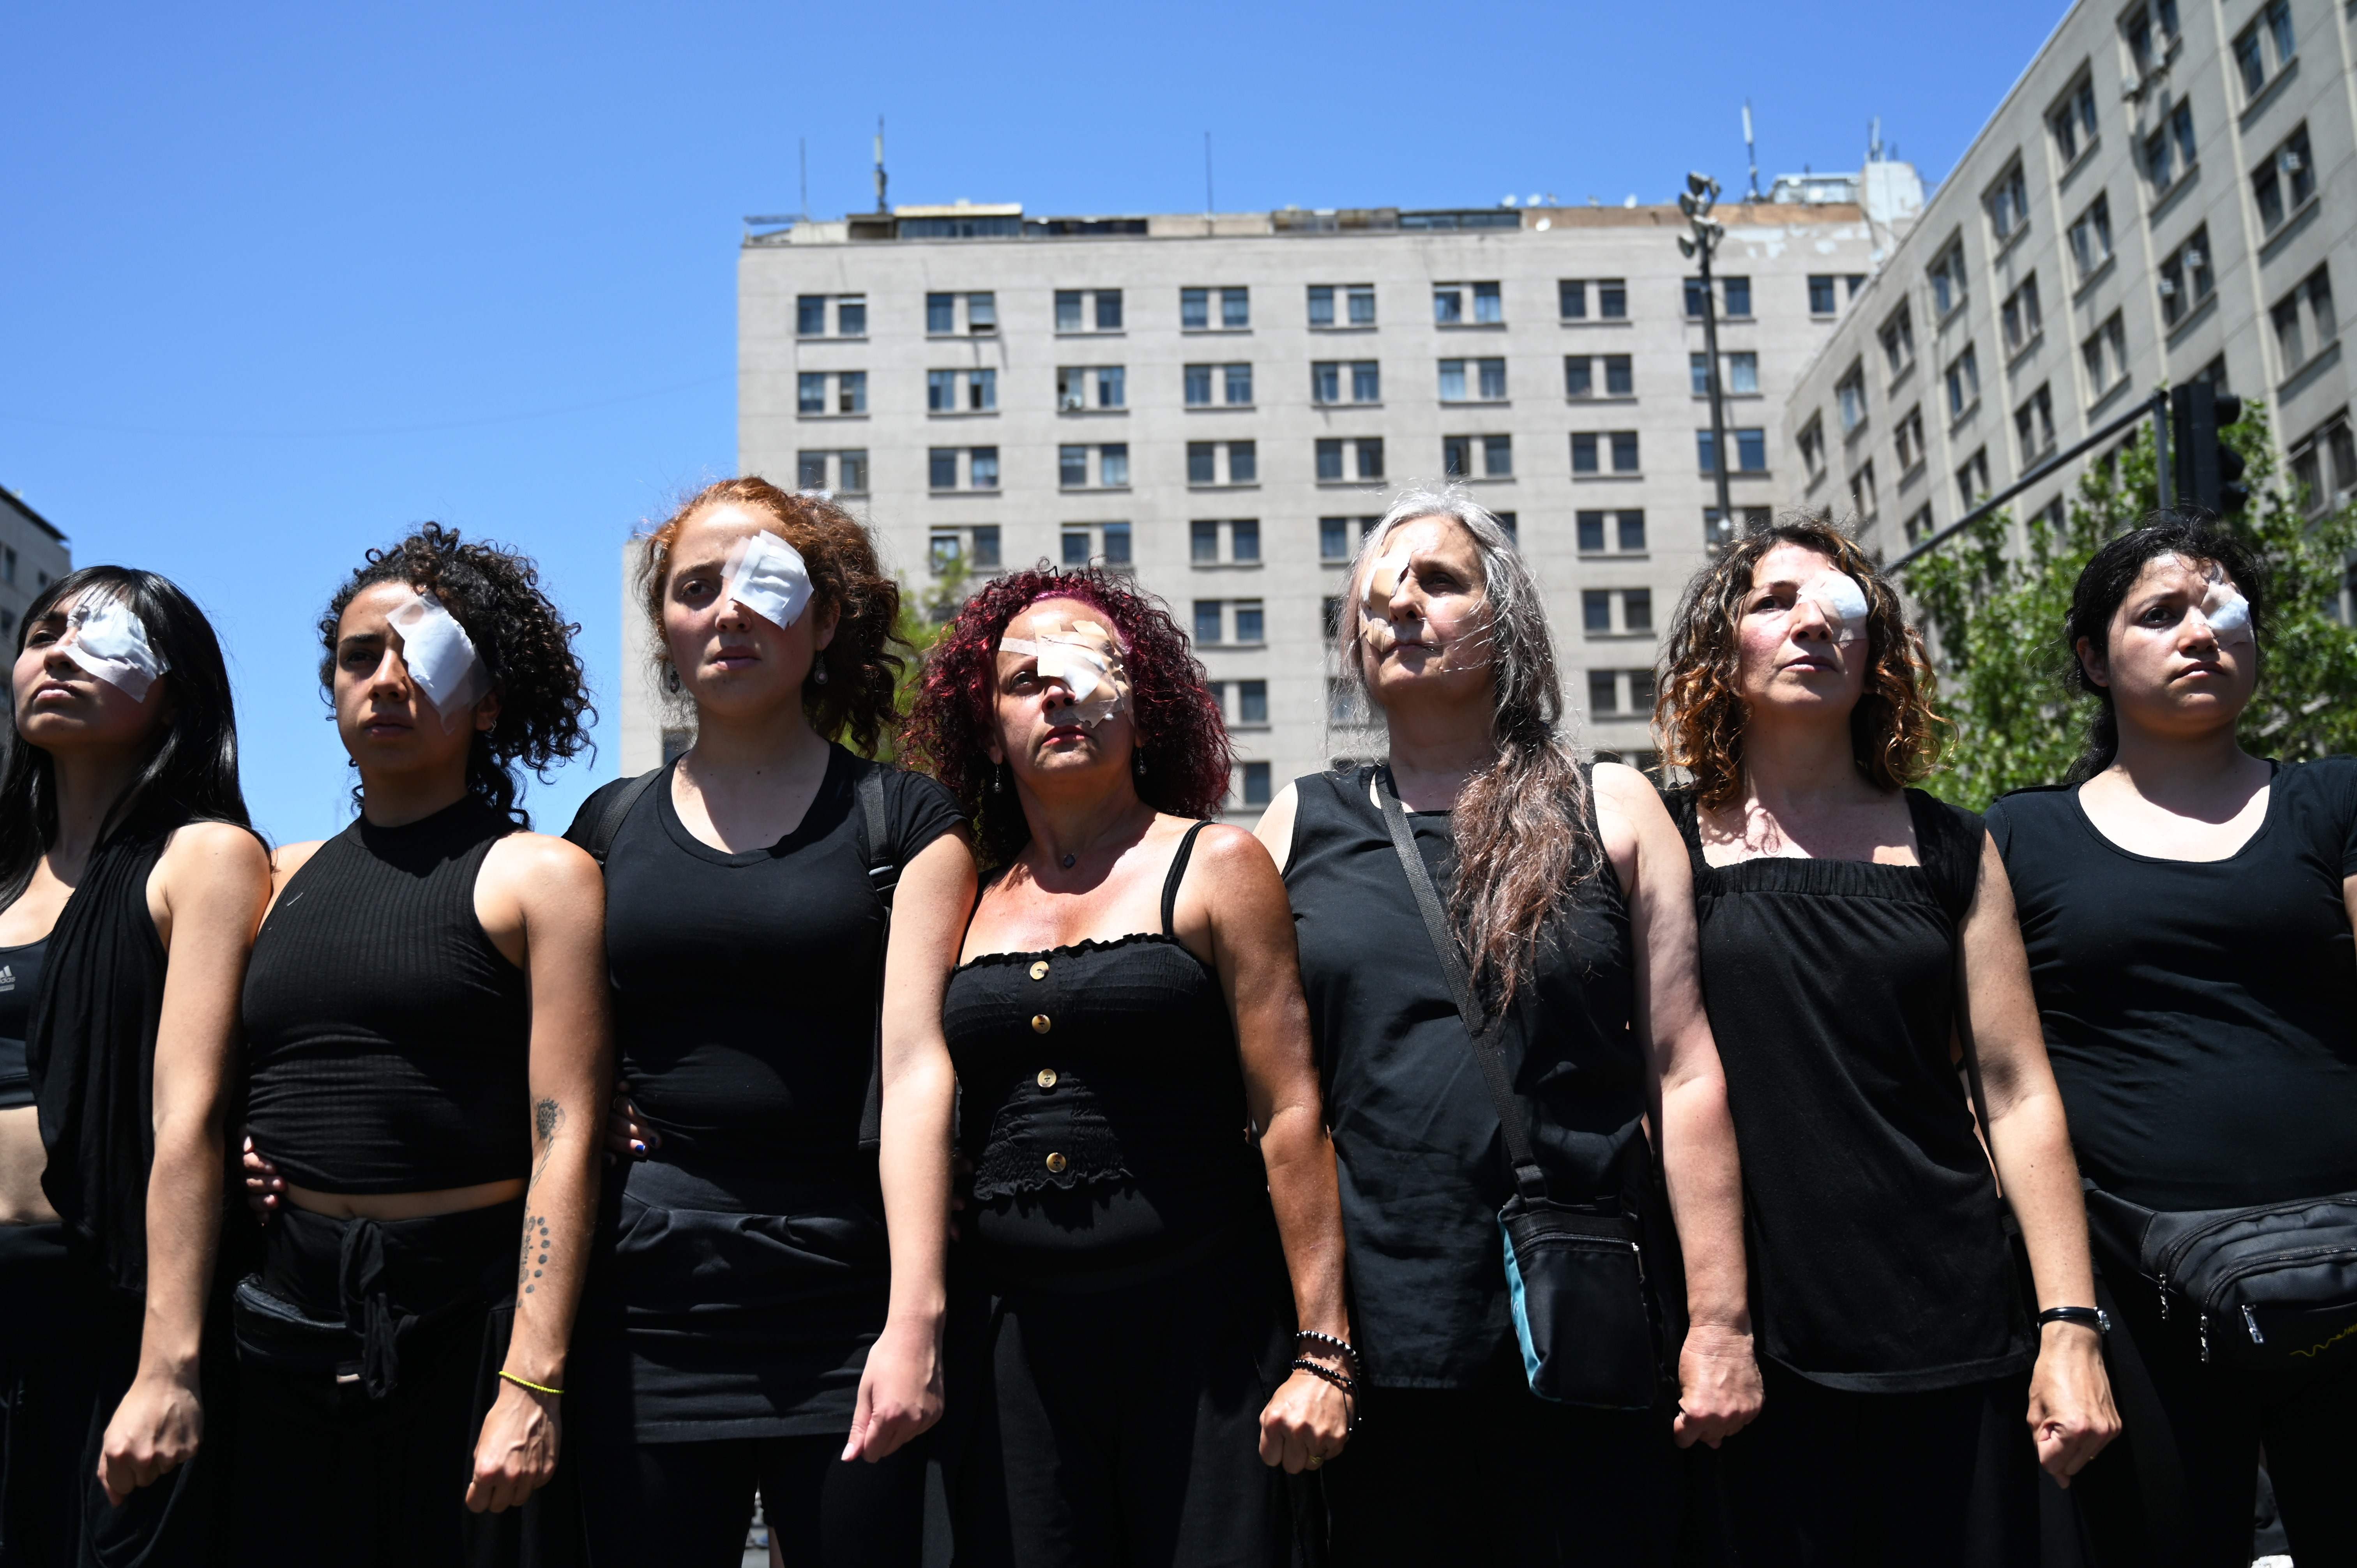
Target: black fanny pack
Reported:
[(1575, 1275), (2273, 1287)]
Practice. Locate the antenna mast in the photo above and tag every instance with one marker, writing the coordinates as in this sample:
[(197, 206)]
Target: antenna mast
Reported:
[(1750, 149), (1208, 205), (803, 143), (879, 165)]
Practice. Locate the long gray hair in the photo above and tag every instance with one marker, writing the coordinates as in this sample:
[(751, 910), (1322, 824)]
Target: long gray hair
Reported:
[(1520, 824)]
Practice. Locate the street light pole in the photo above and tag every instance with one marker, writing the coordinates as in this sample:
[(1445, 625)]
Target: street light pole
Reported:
[(1701, 194)]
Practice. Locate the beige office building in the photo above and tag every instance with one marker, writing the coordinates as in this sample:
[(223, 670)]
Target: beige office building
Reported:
[(2160, 197), (1219, 405)]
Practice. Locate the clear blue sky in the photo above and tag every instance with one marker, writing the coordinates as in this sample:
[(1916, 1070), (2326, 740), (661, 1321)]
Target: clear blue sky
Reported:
[(281, 281)]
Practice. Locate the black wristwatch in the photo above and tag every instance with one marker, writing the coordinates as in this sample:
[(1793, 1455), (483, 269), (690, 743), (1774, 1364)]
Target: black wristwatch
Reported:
[(2094, 1318)]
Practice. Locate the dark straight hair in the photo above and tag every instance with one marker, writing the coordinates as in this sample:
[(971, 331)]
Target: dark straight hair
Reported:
[(2102, 587), (191, 770)]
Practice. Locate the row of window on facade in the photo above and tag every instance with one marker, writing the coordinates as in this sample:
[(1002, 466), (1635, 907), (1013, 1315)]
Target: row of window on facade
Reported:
[(975, 313)]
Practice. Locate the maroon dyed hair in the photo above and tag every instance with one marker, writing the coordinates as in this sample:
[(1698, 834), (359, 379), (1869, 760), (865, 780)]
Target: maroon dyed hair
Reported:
[(1180, 733)]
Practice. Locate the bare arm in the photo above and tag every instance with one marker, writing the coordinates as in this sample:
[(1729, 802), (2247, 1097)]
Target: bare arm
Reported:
[(207, 893), (547, 897), (1237, 892), (1719, 1376), (900, 1388), (2071, 1412)]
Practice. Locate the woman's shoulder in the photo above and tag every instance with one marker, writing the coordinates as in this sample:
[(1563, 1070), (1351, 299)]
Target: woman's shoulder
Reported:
[(918, 807), (2033, 808), (2333, 779)]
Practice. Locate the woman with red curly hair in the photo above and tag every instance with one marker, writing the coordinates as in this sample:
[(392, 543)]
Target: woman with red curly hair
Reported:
[(1856, 935), (1128, 1013)]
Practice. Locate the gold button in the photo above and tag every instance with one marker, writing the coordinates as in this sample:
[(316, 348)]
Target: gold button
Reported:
[(1040, 1024), (1057, 1162), (1040, 970), (1047, 1077)]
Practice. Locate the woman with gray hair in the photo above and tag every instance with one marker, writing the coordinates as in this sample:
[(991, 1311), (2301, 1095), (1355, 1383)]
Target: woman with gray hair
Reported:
[(1498, 946)]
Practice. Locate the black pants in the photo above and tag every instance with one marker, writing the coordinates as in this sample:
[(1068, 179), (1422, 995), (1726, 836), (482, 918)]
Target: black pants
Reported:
[(686, 1505), (2176, 1486), (1946, 1478), (1498, 1478)]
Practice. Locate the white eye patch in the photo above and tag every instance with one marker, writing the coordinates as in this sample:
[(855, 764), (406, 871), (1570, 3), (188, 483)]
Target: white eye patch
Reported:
[(1087, 661), (1383, 579), (1841, 601), (107, 638), (2228, 613), (767, 575), (440, 655)]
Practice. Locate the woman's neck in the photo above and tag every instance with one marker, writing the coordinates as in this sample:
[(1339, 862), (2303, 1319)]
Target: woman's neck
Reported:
[(1436, 751), (742, 750), (397, 800), (1795, 764), (1066, 827), (2191, 774), (87, 789)]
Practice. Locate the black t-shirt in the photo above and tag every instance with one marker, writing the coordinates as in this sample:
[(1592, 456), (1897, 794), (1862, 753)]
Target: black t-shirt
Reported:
[(745, 989), (1421, 1159), (2201, 1016)]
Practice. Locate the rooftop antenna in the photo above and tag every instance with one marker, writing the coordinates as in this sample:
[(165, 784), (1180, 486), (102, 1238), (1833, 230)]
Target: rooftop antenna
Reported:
[(1208, 207), (879, 165), (803, 143), (1873, 140), (1752, 150)]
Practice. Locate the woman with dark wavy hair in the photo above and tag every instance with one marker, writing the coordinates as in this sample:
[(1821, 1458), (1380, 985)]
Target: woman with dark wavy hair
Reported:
[(1568, 909), (1140, 1103), (1856, 935), (2188, 910), (426, 1058), (129, 887)]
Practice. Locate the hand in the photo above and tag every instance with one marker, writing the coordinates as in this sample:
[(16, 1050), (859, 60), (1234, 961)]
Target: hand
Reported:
[(628, 1137), (899, 1391), (1305, 1423), (264, 1191), (2071, 1412), (1719, 1386), (155, 1430), (516, 1454)]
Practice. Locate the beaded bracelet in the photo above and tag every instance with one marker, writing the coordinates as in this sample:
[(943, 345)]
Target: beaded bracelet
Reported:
[(1348, 1384), (1344, 1346)]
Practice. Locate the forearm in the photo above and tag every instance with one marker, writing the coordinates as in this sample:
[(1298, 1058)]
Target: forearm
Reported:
[(183, 1205), (1306, 1196), (559, 1219), (914, 1166), (2031, 1145), (1706, 1191)]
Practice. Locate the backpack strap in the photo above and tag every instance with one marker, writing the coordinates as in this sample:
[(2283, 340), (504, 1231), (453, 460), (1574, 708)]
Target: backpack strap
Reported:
[(620, 797), (877, 852)]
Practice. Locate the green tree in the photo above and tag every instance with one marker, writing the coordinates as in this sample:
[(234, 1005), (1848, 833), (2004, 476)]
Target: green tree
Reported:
[(1995, 598), (924, 619)]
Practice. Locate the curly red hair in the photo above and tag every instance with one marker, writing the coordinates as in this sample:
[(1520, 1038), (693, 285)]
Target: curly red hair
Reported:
[(1177, 720)]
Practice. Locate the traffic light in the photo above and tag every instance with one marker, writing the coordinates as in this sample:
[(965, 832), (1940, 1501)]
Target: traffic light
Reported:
[(2209, 473)]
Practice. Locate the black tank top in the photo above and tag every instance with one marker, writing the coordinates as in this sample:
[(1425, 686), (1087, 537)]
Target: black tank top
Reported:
[(387, 1039), (20, 977), (1104, 1104), (1879, 1257)]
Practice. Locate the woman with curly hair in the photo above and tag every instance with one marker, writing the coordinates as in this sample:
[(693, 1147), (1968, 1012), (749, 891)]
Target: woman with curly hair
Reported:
[(427, 1064), (1568, 929), (770, 1314), (2189, 908), (1855, 936), (1127, 1016)]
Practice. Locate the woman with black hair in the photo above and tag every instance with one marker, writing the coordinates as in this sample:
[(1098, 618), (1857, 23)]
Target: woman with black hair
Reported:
[(427, 1065), (2188, 910), (129, 887)]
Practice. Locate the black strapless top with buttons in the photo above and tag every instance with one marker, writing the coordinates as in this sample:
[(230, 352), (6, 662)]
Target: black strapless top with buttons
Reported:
[(1103, 1107)]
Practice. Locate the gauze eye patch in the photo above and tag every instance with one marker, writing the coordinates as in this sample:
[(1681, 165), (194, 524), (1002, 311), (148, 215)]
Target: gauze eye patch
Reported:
[(1088, 662), (1383, 580), (107, 638), (768, 576), (1841, 601), (440, 655), (2228, 613)]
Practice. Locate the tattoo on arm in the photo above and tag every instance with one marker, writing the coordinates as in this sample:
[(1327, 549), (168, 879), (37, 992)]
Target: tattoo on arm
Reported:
[(547, 1118), (534, 1257)]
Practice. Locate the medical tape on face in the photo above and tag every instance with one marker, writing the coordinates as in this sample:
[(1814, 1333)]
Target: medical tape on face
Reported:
[(440, 655), (105, 637), (1383, 579), (769, 577), (2228, 613), (1841, 601), (1087, 661)]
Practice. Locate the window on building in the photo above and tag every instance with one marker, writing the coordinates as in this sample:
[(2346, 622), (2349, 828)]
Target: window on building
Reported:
[(1619, 379), (1489, 304), (1112, 466), (1611, 299), (2073, 121), (1750, 451), (1360, 300), (961, 392), (2106, 355), (2151, 30), (1072, 467), (2008, 202), (1082, 387), (2283, 183), (1735, 292), (1947, 275), (977, 547), (1203, 462), (1366, 381), (1204, 541), (2033, 425), (1251, 623), (1973, 479), (1595, 611), (1490, 379), (1252, 703), (1211, 620), (2324, 463), (1811, 443), (1909, 439), (1338, 537), (2022, 319), (1964, 382), (1849, 397), (1919, 524), (1571, 299), (1489, 456), (1863, 496), (850, 315), (1624, 451), (1743, 374), (942, 313), (1235, 309), (1321, 304), (1578, 375), (1717, 534), (1852, 283), (1198, 385), (1822, 298), (1898, 335), (1637, 609), (1088, 310), (2186, 282), (1624, 530), (1448, 305), (837, 472), (2265, 48), (979, 465), (1243, 540), (2168, 151), (1236, 385), (1257, 783), (2091, 238), (2298, 340)]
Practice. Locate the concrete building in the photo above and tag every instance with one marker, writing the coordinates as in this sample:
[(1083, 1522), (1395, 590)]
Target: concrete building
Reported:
[(1219, 402), (33, 554), (2162, 195)]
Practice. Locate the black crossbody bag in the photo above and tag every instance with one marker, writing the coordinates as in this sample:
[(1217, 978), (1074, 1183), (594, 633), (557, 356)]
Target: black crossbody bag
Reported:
[(1575, 1278)]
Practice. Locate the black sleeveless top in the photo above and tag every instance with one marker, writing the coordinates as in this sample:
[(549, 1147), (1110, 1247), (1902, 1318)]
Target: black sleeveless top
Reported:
[(20, 977), (387, 1040), (1103, 1106), (1877, 1249), (1421, 1159)]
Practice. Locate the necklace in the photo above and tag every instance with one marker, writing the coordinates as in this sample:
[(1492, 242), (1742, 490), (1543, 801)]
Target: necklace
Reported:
[(1069, 860)]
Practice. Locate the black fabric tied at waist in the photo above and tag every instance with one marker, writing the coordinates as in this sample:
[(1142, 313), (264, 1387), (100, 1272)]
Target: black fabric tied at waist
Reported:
[(343, 1296)]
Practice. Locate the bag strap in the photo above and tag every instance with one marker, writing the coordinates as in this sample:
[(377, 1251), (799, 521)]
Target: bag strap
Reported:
[(883, 876), (1529, 1179), (627, 794)]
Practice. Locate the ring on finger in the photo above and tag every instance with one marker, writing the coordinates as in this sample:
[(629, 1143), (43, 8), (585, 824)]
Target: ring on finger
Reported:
[(1315, 1461)]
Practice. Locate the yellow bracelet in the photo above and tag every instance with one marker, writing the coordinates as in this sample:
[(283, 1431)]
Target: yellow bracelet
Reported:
[(536, 1388)]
